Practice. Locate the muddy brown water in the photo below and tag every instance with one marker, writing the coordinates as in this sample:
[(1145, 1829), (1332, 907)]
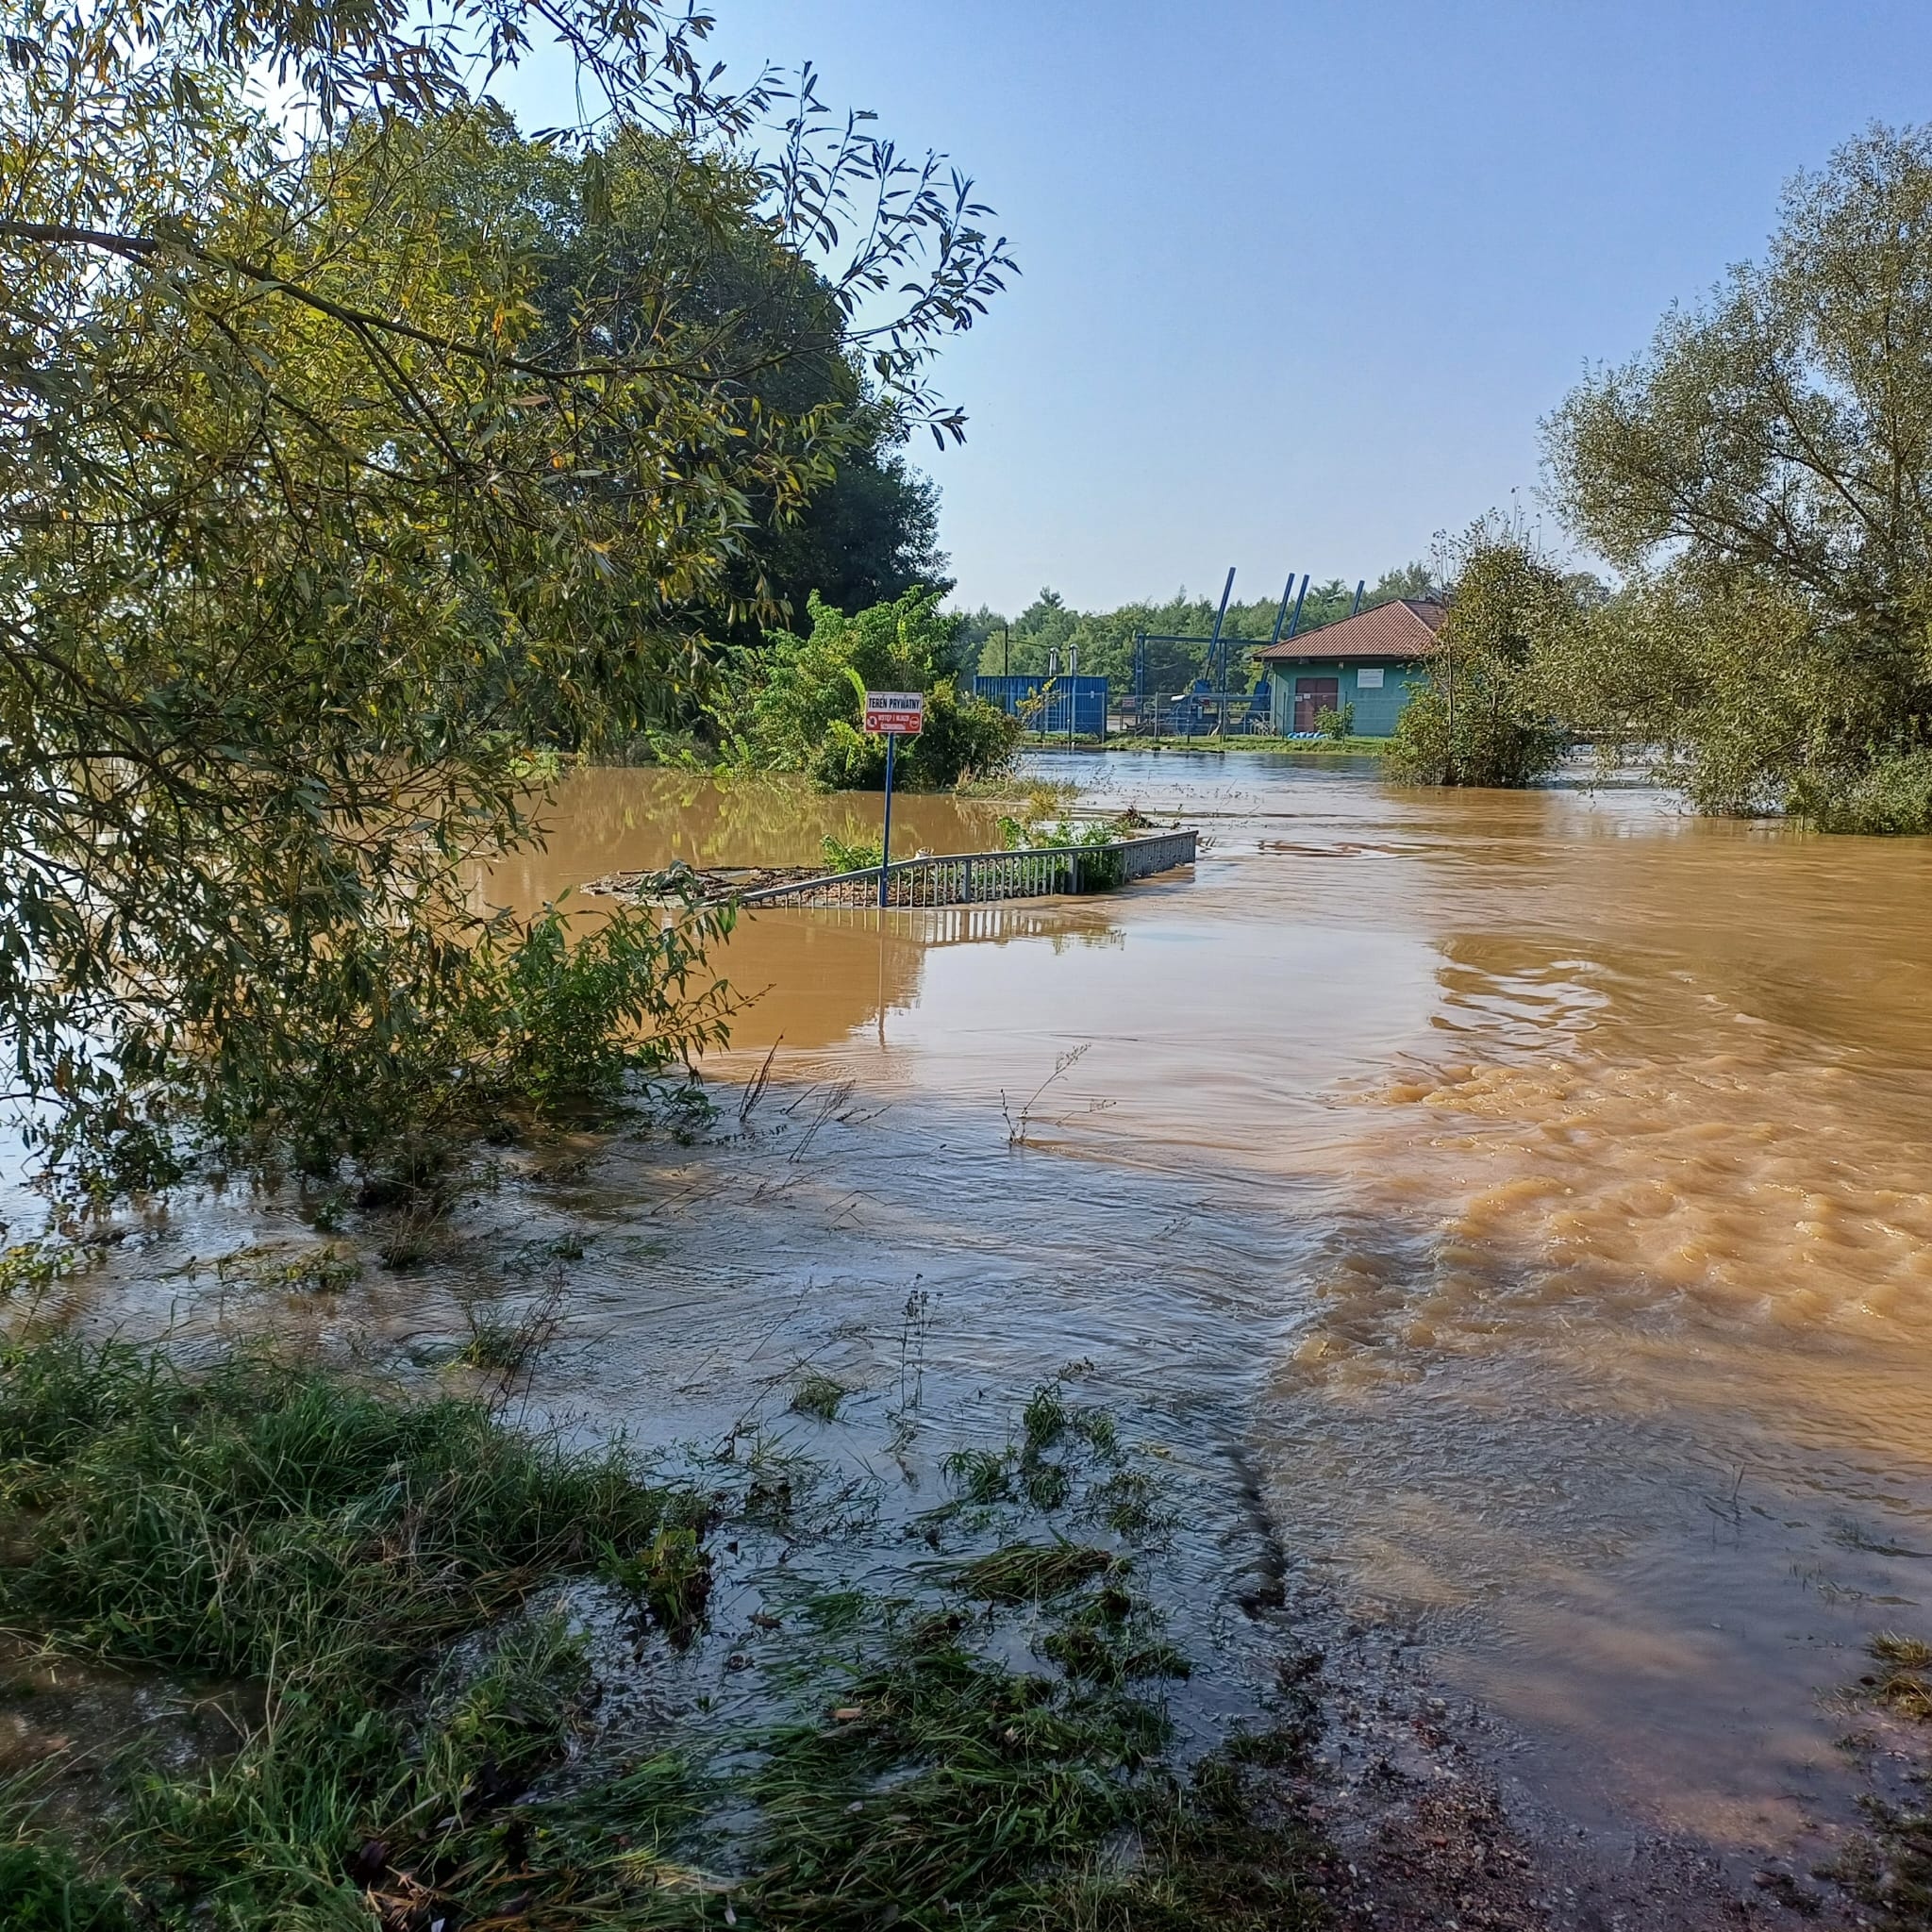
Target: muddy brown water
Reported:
[(1595, 1138), (1523, 1196)]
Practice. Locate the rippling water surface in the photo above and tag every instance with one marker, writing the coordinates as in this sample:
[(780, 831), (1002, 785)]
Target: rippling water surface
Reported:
[(1547, 1172), (1530, 1190)]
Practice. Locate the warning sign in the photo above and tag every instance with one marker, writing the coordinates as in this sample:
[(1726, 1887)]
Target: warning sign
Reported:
[(896, 714)]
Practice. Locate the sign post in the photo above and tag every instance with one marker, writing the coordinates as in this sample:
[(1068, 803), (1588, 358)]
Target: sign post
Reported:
[(891, 715)]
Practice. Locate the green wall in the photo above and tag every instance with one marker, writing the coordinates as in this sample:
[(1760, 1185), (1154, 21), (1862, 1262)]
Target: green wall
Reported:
[(1375, 711)]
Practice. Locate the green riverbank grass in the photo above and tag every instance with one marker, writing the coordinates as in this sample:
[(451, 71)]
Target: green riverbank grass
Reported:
[(380, 1589)]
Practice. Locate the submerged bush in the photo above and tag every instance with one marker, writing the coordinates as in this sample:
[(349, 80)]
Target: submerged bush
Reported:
[(859, 856), (1103, 871), (1892, 796), (1482, 718), (795, 704)]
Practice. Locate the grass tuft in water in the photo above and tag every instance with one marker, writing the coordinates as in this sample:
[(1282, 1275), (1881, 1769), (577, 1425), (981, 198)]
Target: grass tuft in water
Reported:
[(1904, 1680), (1033, 1572), (818, 1396), (1058, 1445), (670, 1581), (1888, 1868), (944, 1789)]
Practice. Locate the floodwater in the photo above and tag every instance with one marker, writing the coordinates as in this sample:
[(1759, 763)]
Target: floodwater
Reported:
[(1516, 1204), (1540, 1179)]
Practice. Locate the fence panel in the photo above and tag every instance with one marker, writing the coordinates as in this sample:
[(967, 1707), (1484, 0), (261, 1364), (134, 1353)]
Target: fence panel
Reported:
[(976, 877)]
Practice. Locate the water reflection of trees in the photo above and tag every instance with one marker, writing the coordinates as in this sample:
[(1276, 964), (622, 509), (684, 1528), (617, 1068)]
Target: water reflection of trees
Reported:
[(817, 978), (612, 820)]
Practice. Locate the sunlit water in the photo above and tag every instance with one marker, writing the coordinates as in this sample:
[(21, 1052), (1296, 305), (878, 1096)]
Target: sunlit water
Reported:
[(1553, 1166), (1528, 1191)]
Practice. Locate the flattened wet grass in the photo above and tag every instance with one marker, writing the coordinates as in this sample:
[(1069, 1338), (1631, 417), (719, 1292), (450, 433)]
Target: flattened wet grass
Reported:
[(1033, 1572), (385, 1572)]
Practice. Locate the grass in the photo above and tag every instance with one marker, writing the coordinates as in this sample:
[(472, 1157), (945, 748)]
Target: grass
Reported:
[(381, 1576), (947, 1790), (1026, 1471), (819, 1396), (1888, 1867), (1903, 1682), (1033, 1572), (505, 1346), (1039, 798), (338, 1550), (44, 1891)]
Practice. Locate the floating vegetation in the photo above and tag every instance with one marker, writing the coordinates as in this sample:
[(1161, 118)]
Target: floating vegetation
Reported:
[(819, 1396)]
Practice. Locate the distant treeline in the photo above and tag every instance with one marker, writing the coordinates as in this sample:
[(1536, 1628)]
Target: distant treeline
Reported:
[(1106, 638)]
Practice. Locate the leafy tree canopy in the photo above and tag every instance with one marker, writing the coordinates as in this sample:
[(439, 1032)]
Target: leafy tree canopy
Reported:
[(1764, 473), (796, 704), (345, 443), (1479, 719)]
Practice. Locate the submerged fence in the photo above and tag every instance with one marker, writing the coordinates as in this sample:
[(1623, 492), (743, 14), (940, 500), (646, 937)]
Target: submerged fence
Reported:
[(970, 878)]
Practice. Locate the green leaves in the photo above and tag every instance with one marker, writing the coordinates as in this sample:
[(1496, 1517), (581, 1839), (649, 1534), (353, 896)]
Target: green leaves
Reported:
[(791, 706), (1482, 718), (1765, 474), (355, 455)]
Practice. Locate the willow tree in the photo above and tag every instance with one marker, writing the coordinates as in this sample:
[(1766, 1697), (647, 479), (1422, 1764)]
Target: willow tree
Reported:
[(1765, 474), (327, 468), (1482, 718)]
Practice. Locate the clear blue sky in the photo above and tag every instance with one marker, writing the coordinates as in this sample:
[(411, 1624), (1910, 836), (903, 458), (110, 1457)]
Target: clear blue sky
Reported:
[(1300, 279)]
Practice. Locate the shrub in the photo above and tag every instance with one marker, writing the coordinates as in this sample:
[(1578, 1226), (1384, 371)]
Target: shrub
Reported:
[(1893, 794), (860, 856), (1104, 872), (1337, 724), (1481, 741), (793, 705)]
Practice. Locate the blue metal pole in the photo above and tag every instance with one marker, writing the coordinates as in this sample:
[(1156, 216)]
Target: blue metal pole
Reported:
[(1281, 615), (1359, 589), (885, 844), (1294, 624), (1214, 643)]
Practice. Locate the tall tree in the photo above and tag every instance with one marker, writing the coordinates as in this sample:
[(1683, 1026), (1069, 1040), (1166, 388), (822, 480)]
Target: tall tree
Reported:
[(322, 480), (1765, 474)]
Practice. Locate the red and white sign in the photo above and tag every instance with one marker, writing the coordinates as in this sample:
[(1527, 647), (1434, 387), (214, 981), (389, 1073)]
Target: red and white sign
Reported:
[(897, 713)]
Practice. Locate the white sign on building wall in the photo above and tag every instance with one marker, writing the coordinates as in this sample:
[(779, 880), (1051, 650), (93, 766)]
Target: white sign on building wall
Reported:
[(1368, 680)]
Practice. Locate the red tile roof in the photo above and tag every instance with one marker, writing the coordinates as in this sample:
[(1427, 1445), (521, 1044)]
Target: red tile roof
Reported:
[(1405, 628)]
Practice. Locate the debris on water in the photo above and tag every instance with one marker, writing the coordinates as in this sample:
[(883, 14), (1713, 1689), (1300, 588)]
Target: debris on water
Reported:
[(714, 883)]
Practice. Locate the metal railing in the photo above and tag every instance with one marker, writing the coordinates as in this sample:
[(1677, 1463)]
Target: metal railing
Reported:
[(971, 878)]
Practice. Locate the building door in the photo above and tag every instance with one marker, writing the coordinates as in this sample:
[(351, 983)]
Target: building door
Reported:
[(1313, 696)]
